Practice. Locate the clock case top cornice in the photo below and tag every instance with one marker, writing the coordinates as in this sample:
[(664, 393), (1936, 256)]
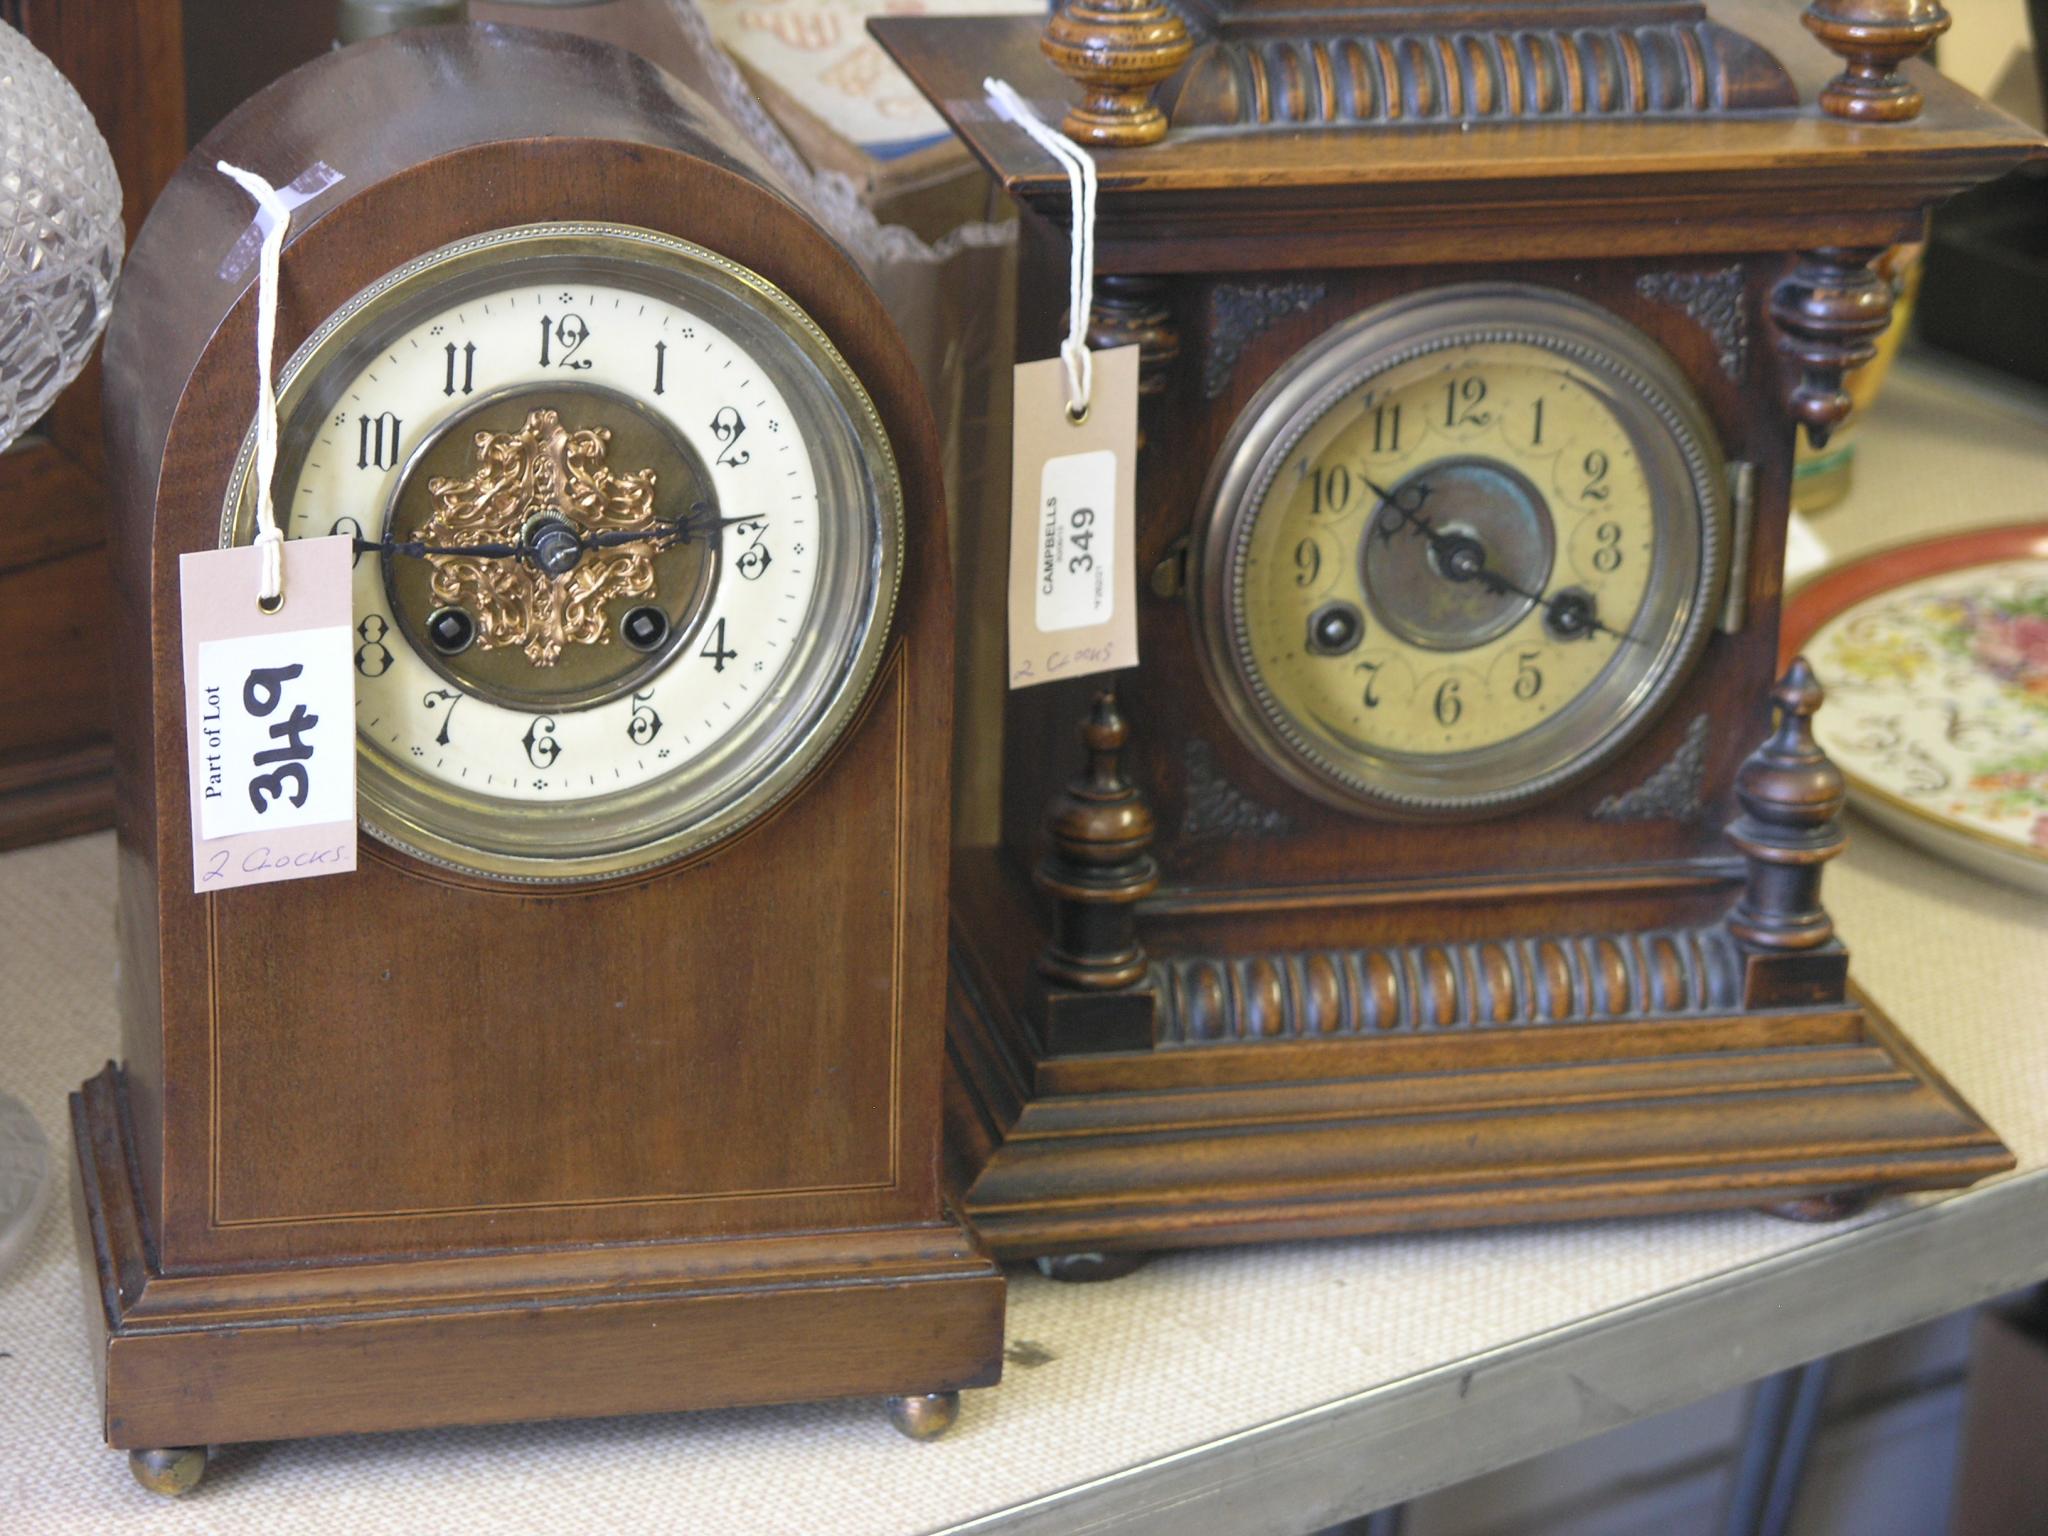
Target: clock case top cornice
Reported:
[(1731, 178)]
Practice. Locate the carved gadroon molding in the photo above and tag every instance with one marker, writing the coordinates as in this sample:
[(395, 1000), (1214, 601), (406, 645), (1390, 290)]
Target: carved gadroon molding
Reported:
[(1241, 312), (1717, 302), (1457, 75), (1217, 808), (1437, 988), (1673, 792)]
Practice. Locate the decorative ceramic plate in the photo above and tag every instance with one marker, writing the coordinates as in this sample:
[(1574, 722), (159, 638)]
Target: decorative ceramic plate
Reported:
[(1935, 658)]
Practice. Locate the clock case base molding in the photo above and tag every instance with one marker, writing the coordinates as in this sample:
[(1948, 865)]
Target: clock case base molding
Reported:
[(222, 1356), (1229, 1140)]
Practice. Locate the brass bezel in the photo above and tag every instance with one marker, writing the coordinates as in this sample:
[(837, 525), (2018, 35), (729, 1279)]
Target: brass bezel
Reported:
[(1677, 445), (820, 691)]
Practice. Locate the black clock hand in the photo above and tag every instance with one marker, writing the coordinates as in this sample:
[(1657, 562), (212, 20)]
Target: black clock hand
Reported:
[(693, 524), (1462, 559)]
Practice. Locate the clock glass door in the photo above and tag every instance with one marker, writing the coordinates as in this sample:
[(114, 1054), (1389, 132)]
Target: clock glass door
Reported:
[(628, 538), (1459, 550)]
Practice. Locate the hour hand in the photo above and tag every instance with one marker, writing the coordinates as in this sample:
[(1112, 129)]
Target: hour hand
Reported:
[(1405, 515)]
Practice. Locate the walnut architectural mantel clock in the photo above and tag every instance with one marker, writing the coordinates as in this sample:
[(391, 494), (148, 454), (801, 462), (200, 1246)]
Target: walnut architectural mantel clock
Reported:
[(610, 1081), (1453, 854)]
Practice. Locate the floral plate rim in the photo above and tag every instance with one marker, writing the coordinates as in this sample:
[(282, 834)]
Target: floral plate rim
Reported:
[(1830, 593)]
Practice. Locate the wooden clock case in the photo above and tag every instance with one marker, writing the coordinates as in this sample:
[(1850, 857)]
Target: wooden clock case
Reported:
[(395, 1149), (1192, 1004)]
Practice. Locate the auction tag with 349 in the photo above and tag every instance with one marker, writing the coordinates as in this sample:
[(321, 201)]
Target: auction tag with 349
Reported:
[(270, 720), (1073, 525)]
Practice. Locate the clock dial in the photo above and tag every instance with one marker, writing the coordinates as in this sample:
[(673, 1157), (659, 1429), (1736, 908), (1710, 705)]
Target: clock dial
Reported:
[(1458, 551), (628, 538)]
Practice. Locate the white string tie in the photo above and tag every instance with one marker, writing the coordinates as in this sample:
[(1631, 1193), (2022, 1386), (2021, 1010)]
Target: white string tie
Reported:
[(1080, 168), (276, 216)]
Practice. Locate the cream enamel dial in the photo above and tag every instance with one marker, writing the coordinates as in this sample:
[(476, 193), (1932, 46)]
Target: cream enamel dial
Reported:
[(628, 536), (1459, 550)]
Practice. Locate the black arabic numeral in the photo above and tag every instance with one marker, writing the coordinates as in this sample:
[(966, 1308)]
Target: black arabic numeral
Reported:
[(754, 560), (1371, 669), (1536, 438), (569, 333), (1450, 708), (1596, 467), (355, 532), (1462, 399), (266, 791), (372, 658), (444, 700), (541, 747), (714, 648), (645, 724), (1083, 524), (1607, 558), (1386, 429), (728, 426), (377, 440), (1308, 563), (1333, 490), (1528, 679)]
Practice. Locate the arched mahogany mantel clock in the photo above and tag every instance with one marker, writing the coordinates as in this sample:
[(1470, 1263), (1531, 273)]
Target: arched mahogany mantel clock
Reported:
[(1452, 855), (609, 1081)]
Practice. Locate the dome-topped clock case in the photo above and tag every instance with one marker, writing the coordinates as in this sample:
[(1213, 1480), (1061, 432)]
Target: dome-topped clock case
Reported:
[(609, 1081), (1452, 854)]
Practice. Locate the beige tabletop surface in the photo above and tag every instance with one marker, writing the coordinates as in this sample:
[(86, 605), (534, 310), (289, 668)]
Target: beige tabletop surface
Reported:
[(1160, 1401)]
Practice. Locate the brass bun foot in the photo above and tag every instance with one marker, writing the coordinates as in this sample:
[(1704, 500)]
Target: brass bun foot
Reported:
[(1837, 1206), (924, 1415), (169, 1470), (1088, 1268)]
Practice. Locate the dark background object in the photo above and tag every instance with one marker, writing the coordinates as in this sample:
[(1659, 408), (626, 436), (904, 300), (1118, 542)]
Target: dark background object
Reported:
[(1986, 291)]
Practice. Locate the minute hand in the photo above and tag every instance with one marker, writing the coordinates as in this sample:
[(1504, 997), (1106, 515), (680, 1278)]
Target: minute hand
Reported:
[(1465, 560)]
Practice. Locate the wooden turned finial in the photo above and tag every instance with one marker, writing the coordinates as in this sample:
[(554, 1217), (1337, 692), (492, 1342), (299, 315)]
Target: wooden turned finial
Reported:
[(1829, 315), (1791, 795), (1118, 51), (1875, 37), (1099, 866)]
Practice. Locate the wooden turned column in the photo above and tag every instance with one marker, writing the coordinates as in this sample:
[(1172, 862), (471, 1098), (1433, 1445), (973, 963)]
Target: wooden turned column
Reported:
[(1118, 51), (1136, 311), (1099, 866), (1874, 37), (1829, 315), (1791, 797)]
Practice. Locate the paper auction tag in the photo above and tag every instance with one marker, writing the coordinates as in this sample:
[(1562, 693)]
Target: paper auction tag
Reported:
[(1073, 523), (270, 720)]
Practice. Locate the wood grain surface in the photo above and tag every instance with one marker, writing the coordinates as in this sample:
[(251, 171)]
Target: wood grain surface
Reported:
[(409, 1067), (1602, 1002)]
